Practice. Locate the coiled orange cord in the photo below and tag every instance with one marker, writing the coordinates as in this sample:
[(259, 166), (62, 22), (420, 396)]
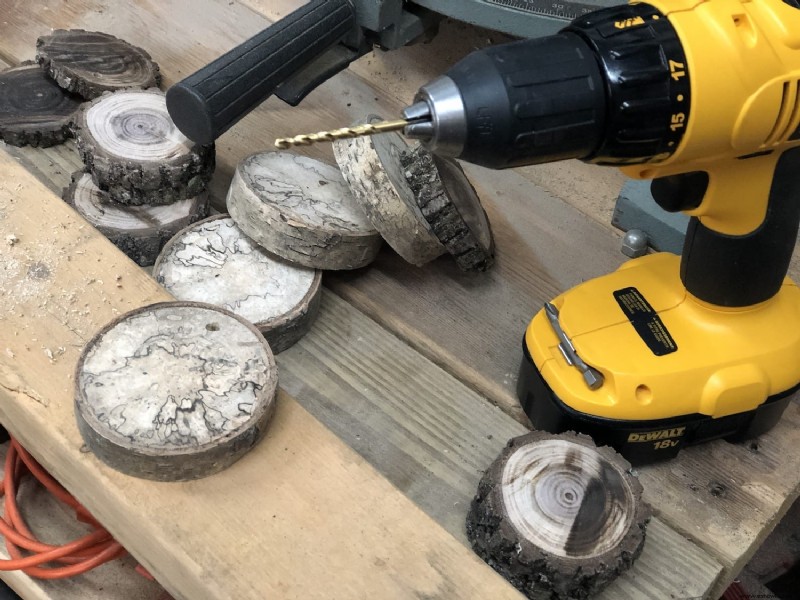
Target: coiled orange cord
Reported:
[(79, 556)]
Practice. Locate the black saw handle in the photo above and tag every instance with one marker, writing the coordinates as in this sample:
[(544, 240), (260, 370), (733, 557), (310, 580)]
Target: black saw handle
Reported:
[(206, 104)]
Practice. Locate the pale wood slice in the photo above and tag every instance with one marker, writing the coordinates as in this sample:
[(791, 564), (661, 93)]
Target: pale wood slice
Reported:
[(134, 151), (89, 63), (139, 231), (214, 262), (452, 207), (301, 209), (371, 166), (174, 391), (34, 111), (557, 516)]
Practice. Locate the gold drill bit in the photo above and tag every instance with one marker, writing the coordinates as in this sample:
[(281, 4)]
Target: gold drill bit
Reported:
[(339, 134)]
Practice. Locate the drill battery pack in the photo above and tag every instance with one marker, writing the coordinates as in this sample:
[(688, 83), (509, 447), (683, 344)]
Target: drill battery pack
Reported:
[(672, 370)]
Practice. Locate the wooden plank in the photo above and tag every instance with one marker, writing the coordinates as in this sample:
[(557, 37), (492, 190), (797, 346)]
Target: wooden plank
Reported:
[(54, 523), (300, 507)]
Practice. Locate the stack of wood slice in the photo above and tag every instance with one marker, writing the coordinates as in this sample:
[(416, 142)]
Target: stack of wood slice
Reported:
[(147, 180)]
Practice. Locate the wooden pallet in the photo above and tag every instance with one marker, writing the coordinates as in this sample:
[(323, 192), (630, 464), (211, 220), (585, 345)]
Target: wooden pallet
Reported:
[(388, 413)]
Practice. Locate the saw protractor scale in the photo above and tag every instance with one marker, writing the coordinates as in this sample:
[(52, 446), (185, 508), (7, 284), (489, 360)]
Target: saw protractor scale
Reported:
[(139, 231), (89, 63), (34, 111), (558, 517), (139, 417), (301, 210), (372, 168), (134, 151), (214, 262)]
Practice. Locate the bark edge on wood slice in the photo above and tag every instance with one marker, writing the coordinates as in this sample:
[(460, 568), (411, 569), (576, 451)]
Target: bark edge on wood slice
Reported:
[(139, 231), (174, 391), (301, 210), (452, 207), (34, 111), (557, 516), (213, 261), (134, 151), (89, 63), (372, 168)]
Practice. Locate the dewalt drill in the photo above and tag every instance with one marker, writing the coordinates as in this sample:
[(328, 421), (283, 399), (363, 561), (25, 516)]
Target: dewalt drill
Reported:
[(703, 97)]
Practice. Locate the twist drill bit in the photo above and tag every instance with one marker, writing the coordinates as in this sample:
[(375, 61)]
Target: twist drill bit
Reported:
[(343, 133)]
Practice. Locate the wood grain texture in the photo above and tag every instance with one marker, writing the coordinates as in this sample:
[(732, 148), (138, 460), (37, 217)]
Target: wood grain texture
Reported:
[(558, 517), (139, 231), (301, 210), (373, 170), (214, 262), (175, 391), (134, 151), (305, 505), (55, 523), (89, 63), (34, 111)]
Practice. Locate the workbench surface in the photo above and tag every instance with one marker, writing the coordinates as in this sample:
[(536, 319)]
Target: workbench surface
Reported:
[(394, 404)]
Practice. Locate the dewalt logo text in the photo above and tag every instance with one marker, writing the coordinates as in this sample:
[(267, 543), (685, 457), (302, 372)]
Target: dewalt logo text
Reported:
[(653, 436)]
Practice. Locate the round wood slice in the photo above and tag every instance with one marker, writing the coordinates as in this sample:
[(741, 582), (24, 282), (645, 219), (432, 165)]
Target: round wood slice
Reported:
[(214, 262), (89, 63), (174, 391), (134, 151), (371, 166), (302, 210), (452, 208), (139, 231), (557, 516), (34, 111)]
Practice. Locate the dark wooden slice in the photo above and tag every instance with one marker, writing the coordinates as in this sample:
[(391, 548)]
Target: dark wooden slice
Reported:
[(34, 111), (371, 166), (214, 262), (175, 391), (89, 63), (301, 209), (557, 516), (134, 151), (452, 208), (139, 231)]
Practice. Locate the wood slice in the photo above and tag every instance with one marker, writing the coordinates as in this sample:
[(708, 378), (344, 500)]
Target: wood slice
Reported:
[(89, 63), (139, 231), (557, 516), (371, 166), (174, 391), (34, 111), (214, 262), (452, 208), (301, 210), (134, 151)]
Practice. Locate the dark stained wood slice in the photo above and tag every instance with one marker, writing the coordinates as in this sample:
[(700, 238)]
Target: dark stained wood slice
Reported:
[(134, 151), (215, 262), (452, 207), (301, 210), (558, 517), (372, 168), (89, 63), (139, 231), (175, 391), (34, 111)]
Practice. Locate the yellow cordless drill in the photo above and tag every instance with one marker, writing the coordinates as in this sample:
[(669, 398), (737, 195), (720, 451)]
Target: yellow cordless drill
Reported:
[(703, 97)]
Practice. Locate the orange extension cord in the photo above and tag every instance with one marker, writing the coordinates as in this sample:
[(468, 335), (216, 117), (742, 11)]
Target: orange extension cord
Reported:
[(80, 555)]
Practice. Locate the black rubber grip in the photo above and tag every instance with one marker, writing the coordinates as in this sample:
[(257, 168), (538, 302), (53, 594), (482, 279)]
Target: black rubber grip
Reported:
[(206, 104)]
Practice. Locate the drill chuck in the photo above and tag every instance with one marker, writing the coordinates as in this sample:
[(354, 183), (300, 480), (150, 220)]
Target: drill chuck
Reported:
[(600, 91)]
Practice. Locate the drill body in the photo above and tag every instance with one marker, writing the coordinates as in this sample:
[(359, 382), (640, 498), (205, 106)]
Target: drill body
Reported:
[(702, 97)]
